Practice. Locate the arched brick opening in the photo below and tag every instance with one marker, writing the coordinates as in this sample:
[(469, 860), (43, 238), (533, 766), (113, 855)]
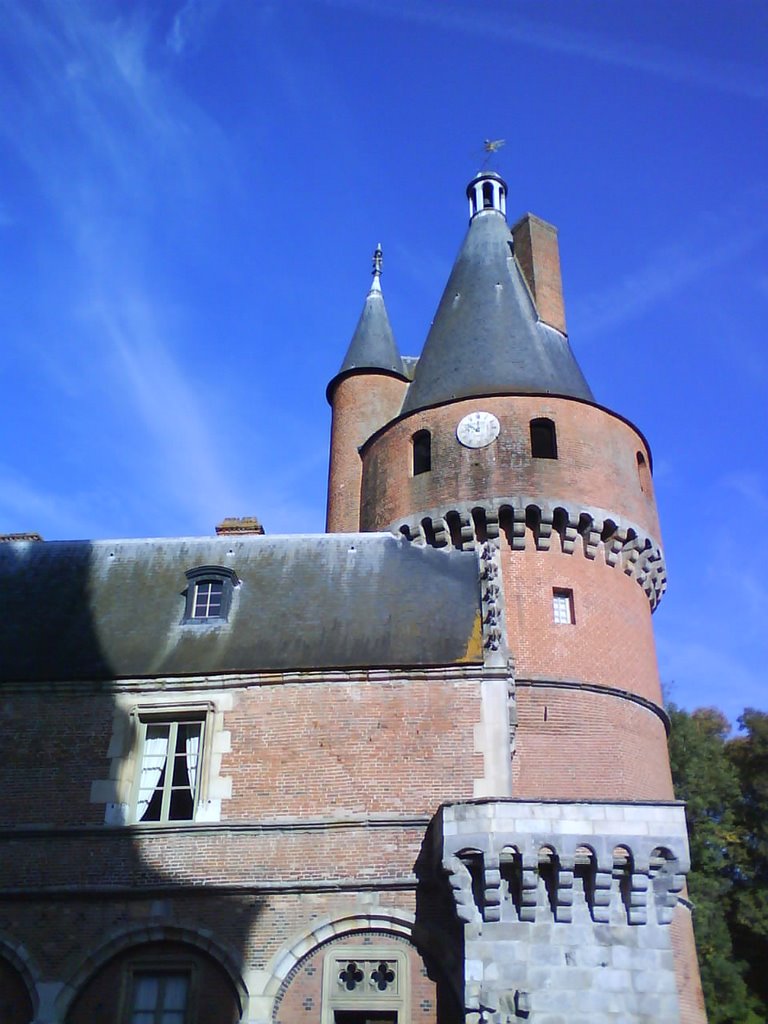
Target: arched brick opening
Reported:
[(295, 983), (101, 990)]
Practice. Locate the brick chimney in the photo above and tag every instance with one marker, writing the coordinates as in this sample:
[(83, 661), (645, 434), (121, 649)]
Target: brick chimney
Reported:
[(538, 256), (241, 525)]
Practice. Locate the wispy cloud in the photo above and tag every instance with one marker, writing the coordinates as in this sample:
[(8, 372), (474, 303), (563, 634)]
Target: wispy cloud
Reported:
[(189, 22), (715, 240), (85, 103), (507, 23), (189, 457)]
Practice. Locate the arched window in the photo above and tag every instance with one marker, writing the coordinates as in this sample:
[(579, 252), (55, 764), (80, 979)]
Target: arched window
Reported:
[(487, 195), (543, 439), (422, 452), (644, 473), (158, 981)]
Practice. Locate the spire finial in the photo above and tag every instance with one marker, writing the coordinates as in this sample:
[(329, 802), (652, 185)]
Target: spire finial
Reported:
[(378, 259)]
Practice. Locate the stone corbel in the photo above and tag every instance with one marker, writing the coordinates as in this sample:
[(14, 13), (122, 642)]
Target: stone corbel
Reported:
[(564, 889)]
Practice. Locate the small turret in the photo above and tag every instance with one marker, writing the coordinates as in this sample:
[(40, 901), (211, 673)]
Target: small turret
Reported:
[(366, 393), (373, 345)]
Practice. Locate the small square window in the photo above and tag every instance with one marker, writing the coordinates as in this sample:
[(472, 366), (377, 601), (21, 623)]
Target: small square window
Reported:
[(169, 769), (562, 606), (159, 997)]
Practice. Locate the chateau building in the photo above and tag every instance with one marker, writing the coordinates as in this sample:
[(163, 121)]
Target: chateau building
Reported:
[(410, 771)]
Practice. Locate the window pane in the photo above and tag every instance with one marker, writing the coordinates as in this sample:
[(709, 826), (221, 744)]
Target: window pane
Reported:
[(562, 606), (208, 599), (146, 991), (176, 992)]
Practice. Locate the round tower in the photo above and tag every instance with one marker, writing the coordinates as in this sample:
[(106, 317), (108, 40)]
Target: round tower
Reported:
[(499, 438), (366, 393)]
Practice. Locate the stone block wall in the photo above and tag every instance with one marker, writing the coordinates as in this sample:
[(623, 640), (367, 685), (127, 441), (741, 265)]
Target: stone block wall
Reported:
[(567, 909)]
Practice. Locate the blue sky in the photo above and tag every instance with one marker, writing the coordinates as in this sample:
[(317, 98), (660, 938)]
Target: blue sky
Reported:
[(191, 192)]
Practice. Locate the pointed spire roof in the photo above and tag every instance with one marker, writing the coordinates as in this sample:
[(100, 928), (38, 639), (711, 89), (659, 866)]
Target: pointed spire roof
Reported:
[(373, 344), (486, 337)]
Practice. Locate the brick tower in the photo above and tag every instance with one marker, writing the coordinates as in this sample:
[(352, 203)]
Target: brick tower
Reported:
[(567, 861)]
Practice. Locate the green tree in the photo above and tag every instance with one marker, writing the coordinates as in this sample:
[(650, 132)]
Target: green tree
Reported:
[(748, 753), (707, 779)]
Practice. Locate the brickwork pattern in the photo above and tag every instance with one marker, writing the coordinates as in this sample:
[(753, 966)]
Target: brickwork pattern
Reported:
[(579, 744), (362, 403), (596, 464), (538, 254), (296, 749), (609, 643)]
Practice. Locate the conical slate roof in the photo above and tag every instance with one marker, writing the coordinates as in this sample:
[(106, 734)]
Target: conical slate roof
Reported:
[(486, 337), (373, 344)]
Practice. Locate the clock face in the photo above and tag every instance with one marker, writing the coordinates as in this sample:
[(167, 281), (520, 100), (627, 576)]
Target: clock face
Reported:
[(478, 429)]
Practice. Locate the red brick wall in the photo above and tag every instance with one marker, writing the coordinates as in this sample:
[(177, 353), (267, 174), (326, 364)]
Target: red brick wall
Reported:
[(609, 643), (579, 745), (596, 464), (689, 992), (59, 744), (318, 749), (311, 749), (538, 254), (362, 403)]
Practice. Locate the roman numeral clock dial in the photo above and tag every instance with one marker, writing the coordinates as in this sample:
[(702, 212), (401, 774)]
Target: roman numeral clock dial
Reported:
[(478, 429)]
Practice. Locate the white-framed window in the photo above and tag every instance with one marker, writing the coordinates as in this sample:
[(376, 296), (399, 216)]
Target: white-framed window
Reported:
[(209, 593), (363, 984), (158, 995), (562, 606), (169, 767), (208, 599)]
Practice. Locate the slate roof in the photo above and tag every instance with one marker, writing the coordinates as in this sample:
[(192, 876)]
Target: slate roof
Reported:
[(373, 345), (80, 610), (486, 337)]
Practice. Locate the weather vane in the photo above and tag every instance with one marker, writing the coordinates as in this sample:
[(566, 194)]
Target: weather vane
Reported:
[(491, 146)]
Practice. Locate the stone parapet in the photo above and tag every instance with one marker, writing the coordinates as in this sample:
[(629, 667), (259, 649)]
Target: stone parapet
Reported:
[(566, 903)]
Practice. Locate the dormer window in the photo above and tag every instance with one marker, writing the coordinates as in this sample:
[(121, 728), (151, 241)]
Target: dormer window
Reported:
[(209, 593)]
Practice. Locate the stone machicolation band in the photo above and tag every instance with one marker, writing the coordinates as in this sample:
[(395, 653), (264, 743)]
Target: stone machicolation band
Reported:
[(520, 523)]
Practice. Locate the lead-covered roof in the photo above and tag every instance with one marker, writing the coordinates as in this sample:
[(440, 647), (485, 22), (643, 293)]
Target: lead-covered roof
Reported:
[(113, 609), (486, 337)]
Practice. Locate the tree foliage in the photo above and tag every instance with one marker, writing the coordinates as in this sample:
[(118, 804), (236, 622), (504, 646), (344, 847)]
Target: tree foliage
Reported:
[(724, 782)]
